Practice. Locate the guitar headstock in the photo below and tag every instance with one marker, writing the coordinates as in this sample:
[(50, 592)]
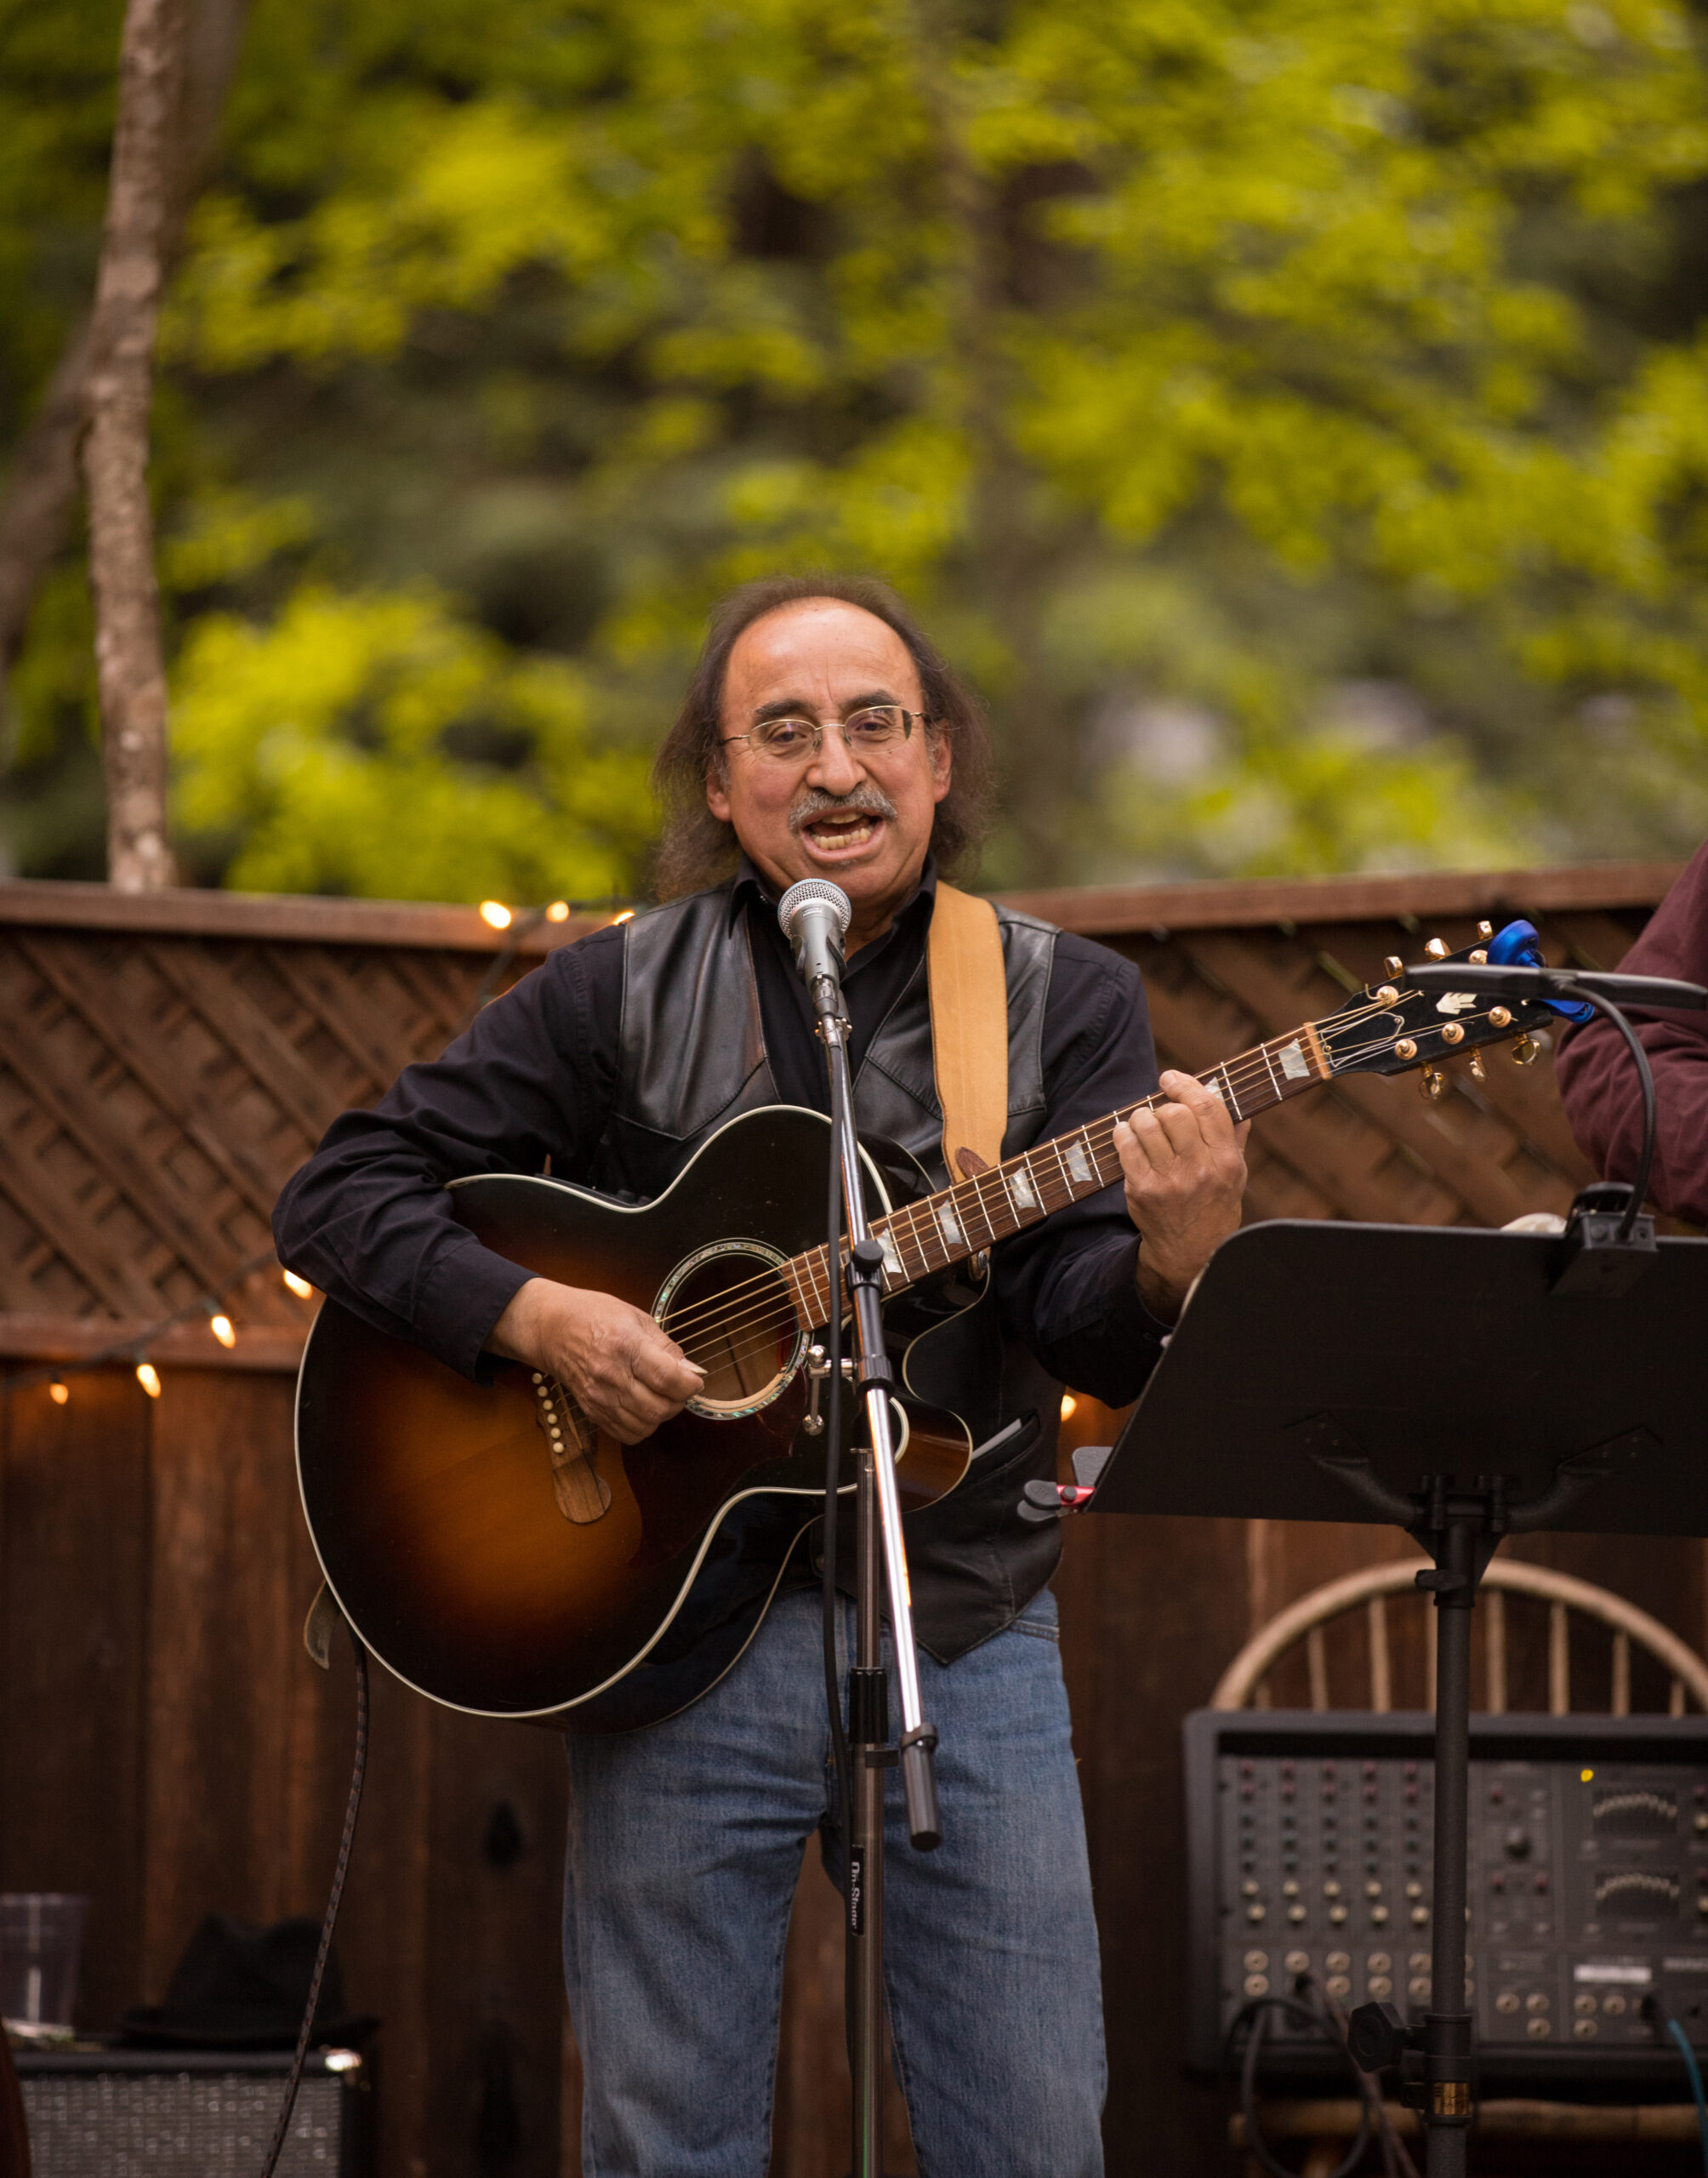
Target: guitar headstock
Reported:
[(1395, 1028)]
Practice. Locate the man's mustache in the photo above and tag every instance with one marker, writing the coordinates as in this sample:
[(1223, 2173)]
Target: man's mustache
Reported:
[(864, 801)]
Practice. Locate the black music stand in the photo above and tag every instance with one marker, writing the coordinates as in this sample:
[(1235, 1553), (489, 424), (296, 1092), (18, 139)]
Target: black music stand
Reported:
[(1440, 1379)]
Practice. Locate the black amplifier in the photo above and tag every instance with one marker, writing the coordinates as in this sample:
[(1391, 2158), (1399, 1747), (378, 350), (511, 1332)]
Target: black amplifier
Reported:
[(1309, 1848), (161, 2113)]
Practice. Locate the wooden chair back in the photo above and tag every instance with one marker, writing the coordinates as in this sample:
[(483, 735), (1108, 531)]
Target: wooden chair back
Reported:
[(1373, 1589)]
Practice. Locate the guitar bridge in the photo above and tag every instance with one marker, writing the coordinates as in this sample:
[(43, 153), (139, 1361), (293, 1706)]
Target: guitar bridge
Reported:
[(583, 1494)]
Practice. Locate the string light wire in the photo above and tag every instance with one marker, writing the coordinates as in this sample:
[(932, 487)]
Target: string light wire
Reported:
[(132, 1347)]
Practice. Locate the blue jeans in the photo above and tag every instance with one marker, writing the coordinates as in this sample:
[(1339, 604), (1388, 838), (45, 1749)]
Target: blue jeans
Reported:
[(684, 1844)]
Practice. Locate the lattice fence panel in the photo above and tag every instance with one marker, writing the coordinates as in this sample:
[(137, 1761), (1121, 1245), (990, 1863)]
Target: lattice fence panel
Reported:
[(157, 1089)]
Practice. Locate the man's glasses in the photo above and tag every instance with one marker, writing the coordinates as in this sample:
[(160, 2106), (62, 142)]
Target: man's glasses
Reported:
[(791, 741)]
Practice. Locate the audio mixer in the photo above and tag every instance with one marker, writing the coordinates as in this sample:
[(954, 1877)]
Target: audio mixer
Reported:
[(1310, 1845)]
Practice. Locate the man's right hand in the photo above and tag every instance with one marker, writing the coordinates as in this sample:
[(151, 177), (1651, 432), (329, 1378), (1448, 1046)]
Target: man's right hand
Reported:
[(627, 1376)]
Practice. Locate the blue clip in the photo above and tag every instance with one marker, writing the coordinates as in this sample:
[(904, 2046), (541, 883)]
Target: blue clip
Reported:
[(1519, 945)]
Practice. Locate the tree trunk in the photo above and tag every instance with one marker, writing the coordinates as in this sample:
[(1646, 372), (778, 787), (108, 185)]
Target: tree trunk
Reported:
[(129, 666), (1004, 561), (42, 485)]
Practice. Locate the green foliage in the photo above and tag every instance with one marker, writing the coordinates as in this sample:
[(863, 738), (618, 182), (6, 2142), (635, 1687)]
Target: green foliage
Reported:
[(1326, 374), (376, 745)]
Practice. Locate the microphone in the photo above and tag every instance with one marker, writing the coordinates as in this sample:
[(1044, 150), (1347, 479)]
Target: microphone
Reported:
[(814, 915), (1522, 980)]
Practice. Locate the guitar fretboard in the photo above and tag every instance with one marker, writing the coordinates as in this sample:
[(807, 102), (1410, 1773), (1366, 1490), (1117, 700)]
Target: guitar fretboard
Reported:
[(957, 1222)]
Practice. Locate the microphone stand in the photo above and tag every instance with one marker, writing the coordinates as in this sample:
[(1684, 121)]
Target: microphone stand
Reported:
[(880, 1566)]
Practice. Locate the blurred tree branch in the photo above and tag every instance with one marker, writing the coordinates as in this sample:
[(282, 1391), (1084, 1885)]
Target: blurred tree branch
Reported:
[(41, 485)]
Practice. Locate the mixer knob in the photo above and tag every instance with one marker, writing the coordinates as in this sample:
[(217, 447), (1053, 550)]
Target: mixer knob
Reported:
[(1337, 1914), (1331, 1889), (1253, 1914), (1379, 1914)]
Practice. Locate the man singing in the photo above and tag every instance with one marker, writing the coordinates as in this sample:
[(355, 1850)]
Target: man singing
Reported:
[(822, 736)]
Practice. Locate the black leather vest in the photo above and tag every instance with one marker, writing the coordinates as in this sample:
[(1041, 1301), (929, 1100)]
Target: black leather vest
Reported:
[(692, 1046), (692, 1057)]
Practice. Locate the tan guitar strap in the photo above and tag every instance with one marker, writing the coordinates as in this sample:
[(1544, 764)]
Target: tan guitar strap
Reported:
[(969, 995)]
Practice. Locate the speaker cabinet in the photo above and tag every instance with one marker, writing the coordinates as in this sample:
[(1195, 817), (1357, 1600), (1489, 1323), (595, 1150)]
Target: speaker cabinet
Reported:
[(154, 2113)]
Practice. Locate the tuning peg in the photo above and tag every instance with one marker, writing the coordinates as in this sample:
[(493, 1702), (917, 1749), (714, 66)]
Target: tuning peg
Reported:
[(1479, 954), (1437, 948), (1526, 1052), (1394, 966), (1485, 930), (1388, 996), (1405, 1048), (1478, 1071), (1500, 1016), (1433, 1084)]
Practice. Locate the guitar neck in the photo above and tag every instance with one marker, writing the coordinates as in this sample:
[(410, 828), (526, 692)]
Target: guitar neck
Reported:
[(957, 1222)]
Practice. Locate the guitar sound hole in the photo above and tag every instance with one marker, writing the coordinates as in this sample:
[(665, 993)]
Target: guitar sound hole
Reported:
[(728, 1308)]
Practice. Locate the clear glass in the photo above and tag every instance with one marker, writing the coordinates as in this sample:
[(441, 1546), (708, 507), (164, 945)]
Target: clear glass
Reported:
[(41, 1946), (795, 740)]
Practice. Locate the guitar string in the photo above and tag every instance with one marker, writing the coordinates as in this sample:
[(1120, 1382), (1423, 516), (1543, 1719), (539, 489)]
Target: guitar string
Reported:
[(1247, 1070), (758, 1318), (690, 1320)]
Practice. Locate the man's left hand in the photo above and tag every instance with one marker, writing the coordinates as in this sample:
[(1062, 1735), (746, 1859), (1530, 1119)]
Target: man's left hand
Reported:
[(1184, 1164)]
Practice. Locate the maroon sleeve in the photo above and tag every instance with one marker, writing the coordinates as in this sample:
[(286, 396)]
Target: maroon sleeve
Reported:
[(1598, 1081)]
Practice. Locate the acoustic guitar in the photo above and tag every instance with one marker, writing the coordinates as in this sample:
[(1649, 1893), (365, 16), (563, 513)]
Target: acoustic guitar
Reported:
[(501, 1556)]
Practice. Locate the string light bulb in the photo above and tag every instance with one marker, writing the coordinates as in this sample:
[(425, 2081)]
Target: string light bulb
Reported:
[(1068, 1404), (627, 915), (149, 1378), (495, 915), (60, 1393), (224, 1331), (300, 1286), (558, 911)]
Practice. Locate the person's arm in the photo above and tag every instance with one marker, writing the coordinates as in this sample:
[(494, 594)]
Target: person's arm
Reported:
[(368, 1220), (1598, 1081), (1094, 1289)]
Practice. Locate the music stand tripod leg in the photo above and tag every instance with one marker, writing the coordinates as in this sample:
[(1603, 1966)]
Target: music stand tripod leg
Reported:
[(1447, 2032), (1461, 1532)]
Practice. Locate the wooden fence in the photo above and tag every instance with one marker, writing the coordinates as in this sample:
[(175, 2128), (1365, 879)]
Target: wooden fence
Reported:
[(166, 1746)]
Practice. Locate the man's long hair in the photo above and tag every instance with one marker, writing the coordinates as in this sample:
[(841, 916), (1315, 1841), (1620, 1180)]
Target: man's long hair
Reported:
[(696, 848)]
